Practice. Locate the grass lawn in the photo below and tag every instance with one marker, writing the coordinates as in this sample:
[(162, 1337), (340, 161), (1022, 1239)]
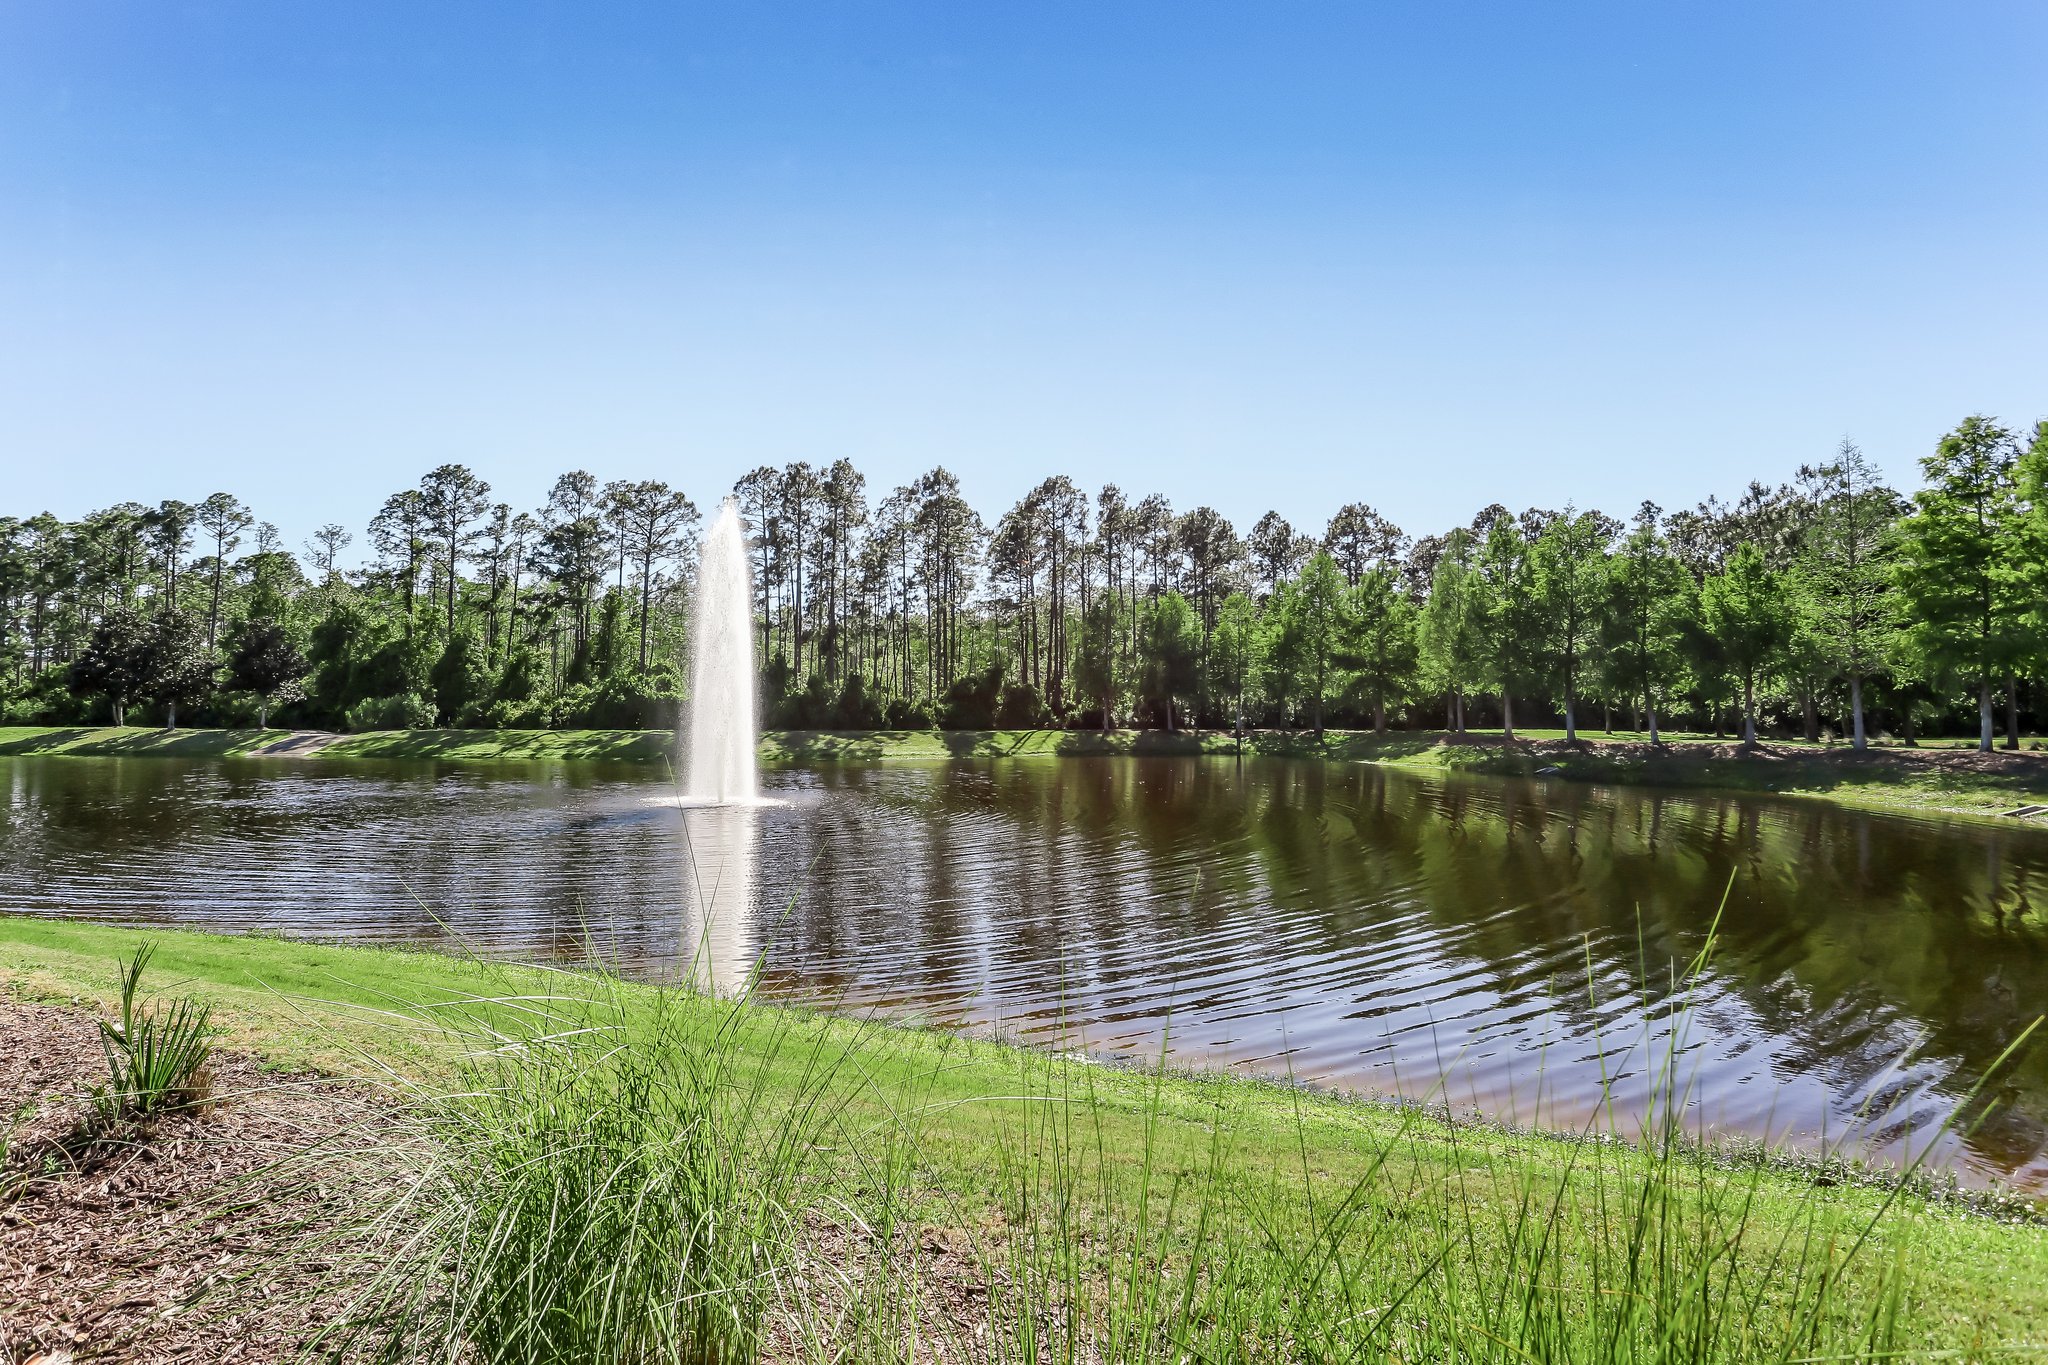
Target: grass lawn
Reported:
[(113, 741), (1093, 1182)]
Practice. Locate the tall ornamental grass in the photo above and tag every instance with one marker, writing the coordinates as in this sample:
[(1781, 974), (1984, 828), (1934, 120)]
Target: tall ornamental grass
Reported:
[(638, 1175), (615, 1181)]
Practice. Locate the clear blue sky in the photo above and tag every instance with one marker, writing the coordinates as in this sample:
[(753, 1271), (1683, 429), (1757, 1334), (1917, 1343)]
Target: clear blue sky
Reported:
[(1427, 255)]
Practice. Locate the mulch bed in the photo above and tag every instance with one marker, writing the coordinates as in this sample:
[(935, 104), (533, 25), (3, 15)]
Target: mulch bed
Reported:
[(235, 1230), (169, 1242)]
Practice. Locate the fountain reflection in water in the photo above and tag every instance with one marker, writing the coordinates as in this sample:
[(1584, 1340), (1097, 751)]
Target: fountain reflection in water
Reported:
[(718, 895), (720, 787)]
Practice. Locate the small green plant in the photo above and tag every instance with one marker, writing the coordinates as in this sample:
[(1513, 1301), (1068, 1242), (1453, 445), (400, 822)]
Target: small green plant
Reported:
[(156, 1058)]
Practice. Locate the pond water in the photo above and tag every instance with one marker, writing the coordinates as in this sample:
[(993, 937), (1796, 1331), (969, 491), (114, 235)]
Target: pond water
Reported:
[(1519, 948)]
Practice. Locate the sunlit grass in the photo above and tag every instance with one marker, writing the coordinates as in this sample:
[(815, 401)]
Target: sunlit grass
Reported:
[(657, 1175), (621, 1172)]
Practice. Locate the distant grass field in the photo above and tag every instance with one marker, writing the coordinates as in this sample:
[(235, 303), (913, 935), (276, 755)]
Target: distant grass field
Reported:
[(113, 741), (1946, 776), (1269, 1212)]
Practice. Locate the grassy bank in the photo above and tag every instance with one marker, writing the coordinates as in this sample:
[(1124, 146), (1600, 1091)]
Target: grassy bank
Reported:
[(1103, 1213), (115, 741), (1936, 779), (1947, 777)]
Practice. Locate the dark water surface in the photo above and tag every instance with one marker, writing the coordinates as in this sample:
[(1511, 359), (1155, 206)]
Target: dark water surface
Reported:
[(1504, 945)]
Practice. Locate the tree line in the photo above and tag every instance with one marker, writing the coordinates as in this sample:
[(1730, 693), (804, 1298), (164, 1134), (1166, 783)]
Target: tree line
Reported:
[(1829, 603)]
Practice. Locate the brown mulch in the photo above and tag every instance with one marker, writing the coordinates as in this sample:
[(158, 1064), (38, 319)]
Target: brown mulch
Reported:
[(234, 1231), (201, 1236)]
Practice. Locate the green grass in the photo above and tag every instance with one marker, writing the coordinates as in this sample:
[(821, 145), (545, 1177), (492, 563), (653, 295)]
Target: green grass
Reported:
[(113, 741), (1112, 1214), (510, 746)]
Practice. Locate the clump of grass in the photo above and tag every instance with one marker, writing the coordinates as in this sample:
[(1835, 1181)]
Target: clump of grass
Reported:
[(1184, 1247), (156, 1057), (616, 1180)]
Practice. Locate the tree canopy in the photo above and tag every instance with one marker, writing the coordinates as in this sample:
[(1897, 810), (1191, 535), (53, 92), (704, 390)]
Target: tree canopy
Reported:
[(1827, 600)]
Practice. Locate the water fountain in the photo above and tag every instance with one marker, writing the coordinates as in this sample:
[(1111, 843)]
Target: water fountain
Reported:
[(719, 737), (721, 788)]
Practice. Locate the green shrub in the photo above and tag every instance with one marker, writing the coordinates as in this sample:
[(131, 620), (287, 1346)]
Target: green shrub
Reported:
[(48, 700), (970, 703), (905, 714), (405, 711), (1022, 708), (623, 702), (459, 678), (506, 714), (858, 708)]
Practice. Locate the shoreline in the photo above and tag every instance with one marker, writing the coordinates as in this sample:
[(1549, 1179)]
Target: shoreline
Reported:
[(332, 1011), (1938, 779)]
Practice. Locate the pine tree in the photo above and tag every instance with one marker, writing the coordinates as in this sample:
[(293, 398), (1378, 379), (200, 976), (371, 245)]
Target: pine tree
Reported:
[(1849, 567), (1957, 572)]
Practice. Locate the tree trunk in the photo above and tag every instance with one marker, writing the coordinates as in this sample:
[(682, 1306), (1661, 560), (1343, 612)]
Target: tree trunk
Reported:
[(2012, 711), (646, 594), (172, 722), (1571, 719), (1856, 713), (1906, 726), (1319, 716), (1984, 724), (1748, 712), (1812, 714), (120, 713), (213, 606), (1650, 713), (1379, 716), (1507, 717)]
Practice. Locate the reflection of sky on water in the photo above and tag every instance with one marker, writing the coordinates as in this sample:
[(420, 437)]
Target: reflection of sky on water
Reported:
[(1499, 945)]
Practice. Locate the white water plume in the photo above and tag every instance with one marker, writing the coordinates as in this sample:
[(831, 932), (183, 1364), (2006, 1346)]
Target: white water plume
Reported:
[(719, 738)]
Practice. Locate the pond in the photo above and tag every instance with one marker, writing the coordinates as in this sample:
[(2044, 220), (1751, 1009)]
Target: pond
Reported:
[(1519, 948)]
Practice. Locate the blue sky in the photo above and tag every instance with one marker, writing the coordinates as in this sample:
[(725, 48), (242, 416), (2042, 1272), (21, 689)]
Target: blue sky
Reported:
[(1253, 255)]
